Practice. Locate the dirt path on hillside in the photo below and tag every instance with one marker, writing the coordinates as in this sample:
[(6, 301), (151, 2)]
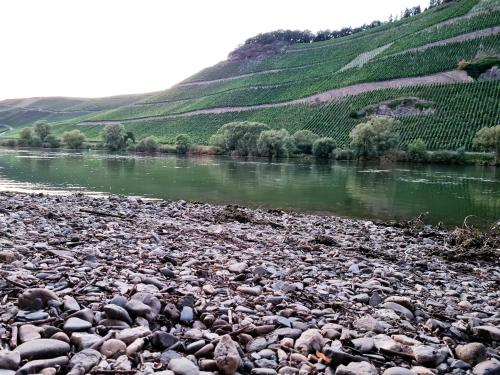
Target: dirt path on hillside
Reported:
[(453, 76), (456, 39)]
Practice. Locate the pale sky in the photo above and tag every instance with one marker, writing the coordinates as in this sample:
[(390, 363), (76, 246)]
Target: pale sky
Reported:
[(93, 48)]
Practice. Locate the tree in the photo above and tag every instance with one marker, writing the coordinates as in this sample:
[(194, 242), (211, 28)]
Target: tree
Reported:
[(114, 137), (51, 141), (182, 143), (304, 140), (148, 144), (375, 137), (323, 147), (25, 137), (239, 138), (274, 143), (42, 129), (417, 150), (73, 139), (489, 139)]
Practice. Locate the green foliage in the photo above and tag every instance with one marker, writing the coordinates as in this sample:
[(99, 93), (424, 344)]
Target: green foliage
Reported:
[(323, 147), (73, 139), (303, 140), (417, 150), (375, 137), (239, 138), (36, 141), (25, 137), (489, 139), (114, 137), (478, 66), (42, 129), (51, 141), (446, 157), (182, 143), (274, 143), (148, 144)]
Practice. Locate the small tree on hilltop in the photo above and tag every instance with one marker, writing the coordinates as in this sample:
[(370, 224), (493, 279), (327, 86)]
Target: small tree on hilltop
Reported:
[(304, 140), (375, 137), (114, 137), (489, 139), (274, 143), (42, 129), (73, 139), (182, 143), (323, 147)]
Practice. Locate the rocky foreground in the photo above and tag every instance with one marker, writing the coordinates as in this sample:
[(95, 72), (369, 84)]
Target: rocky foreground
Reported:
[(125, 286)]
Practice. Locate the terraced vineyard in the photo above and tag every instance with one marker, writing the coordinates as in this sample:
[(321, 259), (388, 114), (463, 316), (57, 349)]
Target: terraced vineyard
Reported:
[(288, 90)]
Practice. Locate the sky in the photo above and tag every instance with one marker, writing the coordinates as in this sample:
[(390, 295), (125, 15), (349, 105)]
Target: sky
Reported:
[(95, 48)]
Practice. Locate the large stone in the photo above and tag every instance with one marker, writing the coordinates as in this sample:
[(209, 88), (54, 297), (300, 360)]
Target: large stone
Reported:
[(237, 267), (368, 323), (84, 340), (489, 332), (34, 299), (472, 353), (117, 312), (163, 340), (357, 368), (398, 371), (428, 356), (34, 367), (113, 347), (9, 360), (129, 335), (87, 359), (226, 356), (399, 309), (183, 366), (310, 341), (490, 367), (43, 348), (28, 332), (76, 324)]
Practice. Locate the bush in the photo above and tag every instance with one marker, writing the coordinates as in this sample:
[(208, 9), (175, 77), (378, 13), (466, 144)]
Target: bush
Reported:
[(274, 143), (303, 140), (239, 138), (51, 141), (344, 155), (42, 129), (25, 137), (417, 151), (375, 137), (489, 139), (9, 143), (36, 141), (182, 143), (73, 139), (167, 149), (148, 144), (323, 147), (447, 157), (114, 137)]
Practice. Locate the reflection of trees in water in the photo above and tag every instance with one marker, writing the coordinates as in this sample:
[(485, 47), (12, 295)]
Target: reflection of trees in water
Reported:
[(43, 164), (119, 165)]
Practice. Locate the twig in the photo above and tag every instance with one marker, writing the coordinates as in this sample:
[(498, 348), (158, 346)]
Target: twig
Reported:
[(19, 285)]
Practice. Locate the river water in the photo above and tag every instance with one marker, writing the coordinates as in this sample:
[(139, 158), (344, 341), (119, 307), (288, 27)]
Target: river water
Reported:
[(447, 193)]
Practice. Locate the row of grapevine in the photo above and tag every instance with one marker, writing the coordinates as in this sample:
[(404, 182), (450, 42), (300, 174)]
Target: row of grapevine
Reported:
[(459, 110)]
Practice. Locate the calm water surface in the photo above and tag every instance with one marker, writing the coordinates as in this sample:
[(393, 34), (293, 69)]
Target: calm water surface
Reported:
[(448, 193)]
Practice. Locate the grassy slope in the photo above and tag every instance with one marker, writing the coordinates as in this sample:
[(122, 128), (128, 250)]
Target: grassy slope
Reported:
[(306, 69)]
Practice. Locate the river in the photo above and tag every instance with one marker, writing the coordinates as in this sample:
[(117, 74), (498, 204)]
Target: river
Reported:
[(400, 191)]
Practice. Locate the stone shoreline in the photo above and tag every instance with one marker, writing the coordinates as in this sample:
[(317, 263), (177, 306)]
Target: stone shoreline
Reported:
[(126, 286)]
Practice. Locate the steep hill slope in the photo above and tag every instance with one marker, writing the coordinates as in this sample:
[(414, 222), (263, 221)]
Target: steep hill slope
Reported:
[(405, 69)]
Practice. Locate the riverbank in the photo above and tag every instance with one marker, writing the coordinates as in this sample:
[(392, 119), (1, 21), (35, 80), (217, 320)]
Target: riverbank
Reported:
[(141, 286)]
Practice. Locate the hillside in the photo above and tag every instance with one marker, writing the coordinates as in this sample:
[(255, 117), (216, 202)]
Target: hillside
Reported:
[(405, 69)]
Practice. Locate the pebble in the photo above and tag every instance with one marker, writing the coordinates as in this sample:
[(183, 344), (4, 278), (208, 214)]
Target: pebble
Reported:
[(183, 366), (42, 348)]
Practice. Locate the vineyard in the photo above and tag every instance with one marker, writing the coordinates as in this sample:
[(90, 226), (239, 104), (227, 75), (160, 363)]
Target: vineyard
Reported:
[(429, 43)]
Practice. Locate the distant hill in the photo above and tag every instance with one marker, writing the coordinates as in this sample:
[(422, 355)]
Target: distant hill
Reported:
[(405, 69)]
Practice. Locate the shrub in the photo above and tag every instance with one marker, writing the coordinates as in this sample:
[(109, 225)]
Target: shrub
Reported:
[(51, 141), (239, 138), (36, 141), (148, 144), (375, 137), (73, 139), (489, 139), (447, 157), (42, 129), (323, 147), (167, 149), (25, 137), (417, 150), (303, 140), (344, 155), (114, 137), (9, 143), (182, 143), (274, 143)]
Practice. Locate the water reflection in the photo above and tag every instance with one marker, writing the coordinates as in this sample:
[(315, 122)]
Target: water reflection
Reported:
[(449, 193)]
